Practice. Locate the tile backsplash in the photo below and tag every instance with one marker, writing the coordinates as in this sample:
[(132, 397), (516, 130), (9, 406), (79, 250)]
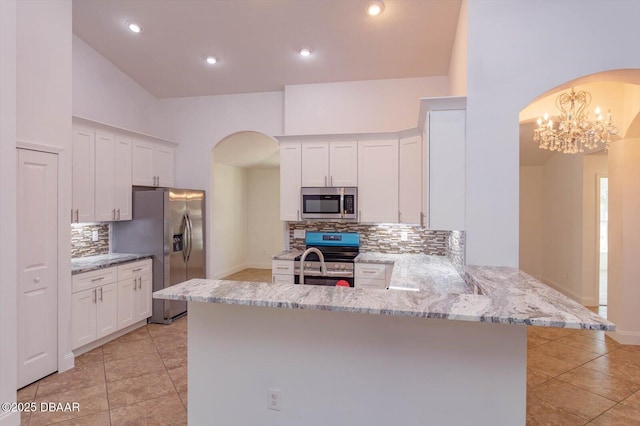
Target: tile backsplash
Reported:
[(384, 238), (82, 243)]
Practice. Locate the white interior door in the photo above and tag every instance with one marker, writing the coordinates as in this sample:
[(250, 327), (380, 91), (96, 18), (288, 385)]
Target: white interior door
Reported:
[(37, 265)]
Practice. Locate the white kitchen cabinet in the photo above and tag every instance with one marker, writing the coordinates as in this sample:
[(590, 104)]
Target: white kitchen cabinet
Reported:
[(134, 292), (378, 181), (94, 314), (290, 180), (410, 180), (112, 177), (282, 272), (372, 275), (153, 164), (83, 176), (445, 130), (106, 300), (329, 164)]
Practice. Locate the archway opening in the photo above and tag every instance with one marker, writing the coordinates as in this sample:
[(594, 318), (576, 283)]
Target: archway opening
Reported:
[(245, 208), (566, 232)]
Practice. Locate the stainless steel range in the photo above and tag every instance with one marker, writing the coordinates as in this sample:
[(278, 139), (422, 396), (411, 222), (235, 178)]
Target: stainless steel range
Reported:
[(328, 259)]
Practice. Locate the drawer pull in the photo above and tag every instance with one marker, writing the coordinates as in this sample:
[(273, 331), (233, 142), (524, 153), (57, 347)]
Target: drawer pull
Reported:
[(369, 271), (97, 279), (137, 270), (283, 268)]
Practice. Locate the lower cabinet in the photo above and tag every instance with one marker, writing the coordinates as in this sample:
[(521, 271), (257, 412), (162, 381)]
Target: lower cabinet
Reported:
[(282, 272), (117, 297), (372, 275), (134, 293), (94, 314)]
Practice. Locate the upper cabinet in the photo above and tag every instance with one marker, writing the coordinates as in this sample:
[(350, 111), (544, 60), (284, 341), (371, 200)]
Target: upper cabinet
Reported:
[(445, 124), (153, 164), (378, 181), (104, 163), (101, 176), (329, 164), (112, 177), (290, 180), (410, 196), (83, 176)]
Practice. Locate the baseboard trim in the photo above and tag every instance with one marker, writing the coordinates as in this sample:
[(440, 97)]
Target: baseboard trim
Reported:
[(259, 266), (229, 271), (106, 339), (625, 337), (68, 362)]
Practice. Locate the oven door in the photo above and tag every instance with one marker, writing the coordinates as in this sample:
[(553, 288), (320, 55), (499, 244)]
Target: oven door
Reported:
[(327, 281)]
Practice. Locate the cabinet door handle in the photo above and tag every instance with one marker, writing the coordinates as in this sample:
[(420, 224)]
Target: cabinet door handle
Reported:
[(140, 283), (330, 180), (135, 284), (325, 181), (95, 295), (118, 212), (77, 216), (113, 214), (101, 299), (71, 215), (400, 216), (421, 219), (298, 215)]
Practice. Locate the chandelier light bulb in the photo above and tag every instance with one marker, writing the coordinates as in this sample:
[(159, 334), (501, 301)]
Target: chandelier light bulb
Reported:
[(210, 60), (546, 116), (375, 8), (305, 51), (539, 121), (134, 27), (597, 110)]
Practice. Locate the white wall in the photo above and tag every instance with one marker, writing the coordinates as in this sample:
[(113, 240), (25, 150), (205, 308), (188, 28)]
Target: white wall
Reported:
[(228, 220), (341, 368), (531, 212), (458, 62), (510, 63), (562, 224), (264, 227), (358, 106), (594, 166), (8, 288), (624, 240), (43, 107), (101, 92)]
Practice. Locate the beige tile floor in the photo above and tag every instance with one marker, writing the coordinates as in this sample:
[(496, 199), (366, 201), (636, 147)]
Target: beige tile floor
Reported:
[(574, 377)]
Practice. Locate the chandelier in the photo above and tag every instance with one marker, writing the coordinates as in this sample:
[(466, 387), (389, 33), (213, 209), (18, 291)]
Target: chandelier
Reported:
[(575, 132)]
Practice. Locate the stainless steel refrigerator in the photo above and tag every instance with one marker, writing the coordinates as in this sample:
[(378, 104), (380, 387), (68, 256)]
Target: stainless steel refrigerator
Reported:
[(167, 223)]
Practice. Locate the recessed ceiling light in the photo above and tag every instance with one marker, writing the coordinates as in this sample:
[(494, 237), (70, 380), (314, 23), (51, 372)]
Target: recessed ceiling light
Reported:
[(305, 51), (210, 59), (134, 27), (375, 8)]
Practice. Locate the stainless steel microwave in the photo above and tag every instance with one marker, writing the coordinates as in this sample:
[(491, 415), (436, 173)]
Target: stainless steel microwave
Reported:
[(331, 204)]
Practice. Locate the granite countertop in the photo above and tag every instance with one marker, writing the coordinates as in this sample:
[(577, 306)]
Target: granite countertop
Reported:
[(91, 263), (287, 254), (507, 296)]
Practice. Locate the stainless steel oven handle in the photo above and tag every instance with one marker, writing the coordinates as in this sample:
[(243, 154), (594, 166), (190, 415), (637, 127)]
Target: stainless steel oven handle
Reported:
[(341, 205)]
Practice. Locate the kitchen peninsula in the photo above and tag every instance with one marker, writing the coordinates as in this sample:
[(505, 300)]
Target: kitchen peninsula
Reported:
[(332, 355)]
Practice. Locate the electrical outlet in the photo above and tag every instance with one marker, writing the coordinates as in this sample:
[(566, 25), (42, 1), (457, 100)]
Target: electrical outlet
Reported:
[(94, 235), (299, 233), (273, 403), (404, 236)]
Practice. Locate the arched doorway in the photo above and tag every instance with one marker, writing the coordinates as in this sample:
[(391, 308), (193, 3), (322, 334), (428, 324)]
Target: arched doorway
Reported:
[(245, 222), (563, 226)]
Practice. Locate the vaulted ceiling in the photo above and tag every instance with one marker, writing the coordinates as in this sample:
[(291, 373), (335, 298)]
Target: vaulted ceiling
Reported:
[(256, 42)]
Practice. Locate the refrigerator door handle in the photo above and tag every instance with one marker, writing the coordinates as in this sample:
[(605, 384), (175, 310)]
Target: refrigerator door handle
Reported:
[(185, 233), (190, 227)]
